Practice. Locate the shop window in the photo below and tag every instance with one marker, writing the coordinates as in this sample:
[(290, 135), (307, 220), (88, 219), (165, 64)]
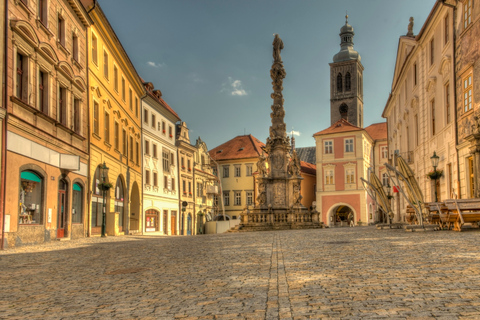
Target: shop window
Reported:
[(151, 220), (31, 198), (119, 202), (77, 203)]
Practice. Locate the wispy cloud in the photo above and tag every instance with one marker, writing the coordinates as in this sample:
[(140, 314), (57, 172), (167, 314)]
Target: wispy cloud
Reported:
[(234, 87), (195, 78), (156, 65), (295, 133)]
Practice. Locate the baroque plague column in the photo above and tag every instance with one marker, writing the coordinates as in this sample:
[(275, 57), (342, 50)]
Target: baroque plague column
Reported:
[(279, 199)]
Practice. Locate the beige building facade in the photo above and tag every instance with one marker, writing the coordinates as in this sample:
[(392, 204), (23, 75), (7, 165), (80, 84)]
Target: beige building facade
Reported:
[(47, 128)]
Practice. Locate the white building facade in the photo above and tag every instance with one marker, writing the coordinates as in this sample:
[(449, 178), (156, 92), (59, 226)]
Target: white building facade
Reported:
[(160, 172)]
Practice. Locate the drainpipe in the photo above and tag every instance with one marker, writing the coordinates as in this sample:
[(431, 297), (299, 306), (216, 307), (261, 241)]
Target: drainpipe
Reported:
[(91, 9), (4, 127), (89, 178)]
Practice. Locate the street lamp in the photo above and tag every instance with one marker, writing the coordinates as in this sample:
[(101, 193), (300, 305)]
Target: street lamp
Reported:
[(435, 160), (104, 170)]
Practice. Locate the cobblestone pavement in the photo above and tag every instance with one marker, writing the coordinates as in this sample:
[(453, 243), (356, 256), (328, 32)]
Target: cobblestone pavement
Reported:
[(349, 273)]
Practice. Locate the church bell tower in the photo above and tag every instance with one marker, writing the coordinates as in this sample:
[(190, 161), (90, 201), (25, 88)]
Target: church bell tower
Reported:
[(346, 81)]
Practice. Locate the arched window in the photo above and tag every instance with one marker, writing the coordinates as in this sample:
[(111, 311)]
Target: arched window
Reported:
[(343, 111), (348, 83), (77, 203), (31, 199), (339, 82), (119, 199)]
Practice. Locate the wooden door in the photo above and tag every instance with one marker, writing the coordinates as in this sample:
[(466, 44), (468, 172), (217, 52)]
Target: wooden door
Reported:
[(173, 222), (61, 220)]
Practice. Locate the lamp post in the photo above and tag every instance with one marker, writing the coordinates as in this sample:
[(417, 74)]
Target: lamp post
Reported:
[(435, 160), (104, 170), (389, 197)]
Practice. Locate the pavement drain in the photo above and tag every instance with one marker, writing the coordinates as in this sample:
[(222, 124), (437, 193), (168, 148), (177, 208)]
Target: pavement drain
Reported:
[(126, 271), (338, 242)]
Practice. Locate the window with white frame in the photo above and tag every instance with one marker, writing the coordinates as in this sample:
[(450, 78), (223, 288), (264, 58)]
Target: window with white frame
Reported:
[(226, 198), (467, 93), (467, 13), (329, 177), (384, 152), (226, 171), (43, 92), (350, 176), (249, 170), (237, 171), (238, 198), (94, 49), (348, 145), (166, 160), (249, 198), (384, 179), (22, 77), (328, 147)]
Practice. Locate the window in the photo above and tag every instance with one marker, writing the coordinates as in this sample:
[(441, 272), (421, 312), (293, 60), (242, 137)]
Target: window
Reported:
[(190, 188), (62, 106), (131, 148), (173, 184), (115, 78), (188, 165), (348, 145), (172, 159), (166, 160), (432, 51), (328, 147), (163, 127), (249, 171), (76, 115), (107, 127), (165, 182), (467, 13), (147, 177), (123, 89), (154, 120), (447, 102), (136, 107), (215, 171), (105, 64), (467, 93), (432, 108), (350, 176), (339, 82), (61, 31), (182, 163), (43, 92), (226, 198), (184, 186), (170, 131), (137, 153), (155, 179), (385, 179), (96, 125), (77, 203), (43, 12), (237, 171), (145, 116), (22, 77), (226, 171), (445, 29), (124, 142), (415, 73), (116, 133), (75, 47), (31, 198), (384, 152), (249, 198), (416, 130), (471, 177), (130, 99), (154, 150), (94, 49), (348, 83), (199, 189), (329, 176), (147, 147), (238, 198)]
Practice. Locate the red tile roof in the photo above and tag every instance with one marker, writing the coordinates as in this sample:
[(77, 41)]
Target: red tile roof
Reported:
[(308, 168), (378, 131), (341, 125), (240, 147), (157, 95)]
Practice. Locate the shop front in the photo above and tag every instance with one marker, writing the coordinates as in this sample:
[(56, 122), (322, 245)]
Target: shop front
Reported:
[(152, 220)]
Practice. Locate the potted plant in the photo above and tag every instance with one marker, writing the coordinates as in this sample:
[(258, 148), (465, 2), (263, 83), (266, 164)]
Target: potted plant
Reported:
[(105, 186), (435, 174)]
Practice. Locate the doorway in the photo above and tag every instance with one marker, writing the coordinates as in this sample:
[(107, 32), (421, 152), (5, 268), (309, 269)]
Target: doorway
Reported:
[(62, 208)]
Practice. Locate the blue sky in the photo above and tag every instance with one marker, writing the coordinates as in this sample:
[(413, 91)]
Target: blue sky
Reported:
[(211, 58)]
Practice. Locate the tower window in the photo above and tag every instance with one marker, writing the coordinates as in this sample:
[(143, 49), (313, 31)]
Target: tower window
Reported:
[(343, 111), (339, 83), (348, 83)]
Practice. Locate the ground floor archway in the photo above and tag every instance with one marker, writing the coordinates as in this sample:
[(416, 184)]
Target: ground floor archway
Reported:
[(135, 208), (338, 215)]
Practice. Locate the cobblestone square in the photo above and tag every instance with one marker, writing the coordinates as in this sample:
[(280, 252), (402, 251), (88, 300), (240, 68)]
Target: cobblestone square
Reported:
[(347, 273)]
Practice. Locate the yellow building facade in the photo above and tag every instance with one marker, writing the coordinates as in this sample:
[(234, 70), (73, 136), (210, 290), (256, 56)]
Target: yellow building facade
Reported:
[(115, 130)]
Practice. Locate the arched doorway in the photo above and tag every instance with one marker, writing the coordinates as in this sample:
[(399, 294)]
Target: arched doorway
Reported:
[(339, 216), (31, 198), (189, 224), (62, 216), (135, 208), (120, 203), (97, 202)]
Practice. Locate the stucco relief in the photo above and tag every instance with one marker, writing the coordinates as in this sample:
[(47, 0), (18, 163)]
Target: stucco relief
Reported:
[(279, 194)]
